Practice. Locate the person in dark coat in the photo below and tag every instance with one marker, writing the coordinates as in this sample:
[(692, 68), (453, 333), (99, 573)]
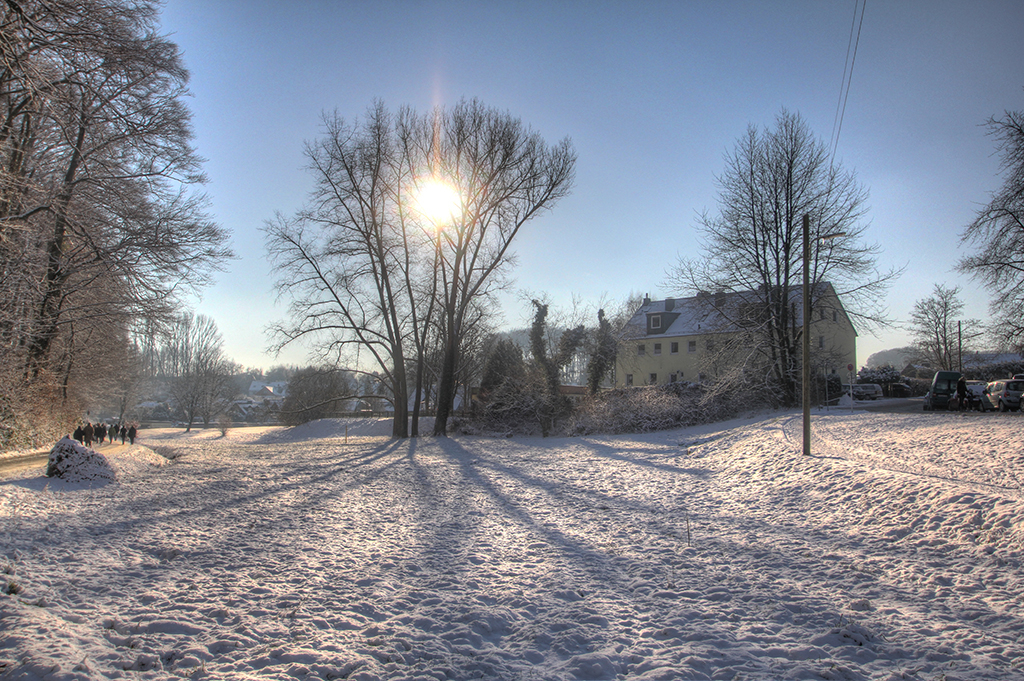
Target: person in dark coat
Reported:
[(113, 432), (124, 432), (101, 432), (961, 394), (79, 435), (88, 434), (131, 434)]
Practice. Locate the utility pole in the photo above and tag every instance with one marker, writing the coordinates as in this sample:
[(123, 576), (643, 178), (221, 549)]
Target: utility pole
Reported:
[(805, 369), (960, 345), (807, 336)]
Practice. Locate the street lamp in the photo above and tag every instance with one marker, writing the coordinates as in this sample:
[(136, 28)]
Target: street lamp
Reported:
[(807, 329)]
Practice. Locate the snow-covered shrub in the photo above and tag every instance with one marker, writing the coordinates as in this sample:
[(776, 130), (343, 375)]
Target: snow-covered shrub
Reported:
[(73, 462), (649, 408), (515, 406), (224, 424)]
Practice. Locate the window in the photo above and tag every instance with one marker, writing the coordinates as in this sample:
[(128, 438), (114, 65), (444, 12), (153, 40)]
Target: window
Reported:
[(654, 379), (673, 378), (629, 379), (821, 342), (656, 321), (822, 316), (641, 350), (691, 346), (657, 348), (835, 316), (674, 348)]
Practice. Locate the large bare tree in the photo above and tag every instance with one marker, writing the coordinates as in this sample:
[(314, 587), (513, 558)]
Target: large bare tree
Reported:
[(998, 233), (753, 253), (937, 326), (505, 175), (100, 216), (374, 269), (350, 260)]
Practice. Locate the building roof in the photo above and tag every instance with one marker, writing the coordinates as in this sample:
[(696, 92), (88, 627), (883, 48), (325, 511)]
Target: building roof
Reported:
[(702, 314)]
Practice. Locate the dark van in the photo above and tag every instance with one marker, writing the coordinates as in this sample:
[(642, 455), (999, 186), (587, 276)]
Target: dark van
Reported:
[(943, 388)]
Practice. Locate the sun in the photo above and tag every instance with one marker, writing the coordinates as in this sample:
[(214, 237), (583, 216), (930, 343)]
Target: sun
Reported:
[(438, 200)]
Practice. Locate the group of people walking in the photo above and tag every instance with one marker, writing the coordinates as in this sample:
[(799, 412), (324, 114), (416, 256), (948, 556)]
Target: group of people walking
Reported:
[(99, 432)]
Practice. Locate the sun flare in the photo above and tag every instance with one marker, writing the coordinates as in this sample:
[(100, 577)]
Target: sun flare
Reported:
[(438, 200)]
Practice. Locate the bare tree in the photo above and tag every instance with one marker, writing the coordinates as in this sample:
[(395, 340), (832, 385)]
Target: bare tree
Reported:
[(753, 258), (347, 261), (998, 232), (316, 393), (193, 359), (937, 329), (99, 216), (370, 272), (505, 175)]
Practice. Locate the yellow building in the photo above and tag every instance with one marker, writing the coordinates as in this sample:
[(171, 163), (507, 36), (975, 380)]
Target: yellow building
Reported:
[(710, 335)]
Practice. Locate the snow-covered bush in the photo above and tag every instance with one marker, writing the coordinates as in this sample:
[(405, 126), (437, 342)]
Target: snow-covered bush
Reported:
[(74, 462), (224, 424), (885, 375), (628, 410), (515, 406), (650, 408)]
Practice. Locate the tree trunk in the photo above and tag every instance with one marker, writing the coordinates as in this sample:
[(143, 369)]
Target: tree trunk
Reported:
[(48, 317), (446, 386)]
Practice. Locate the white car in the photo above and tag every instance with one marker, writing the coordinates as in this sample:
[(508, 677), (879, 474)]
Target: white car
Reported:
[(864, 391)]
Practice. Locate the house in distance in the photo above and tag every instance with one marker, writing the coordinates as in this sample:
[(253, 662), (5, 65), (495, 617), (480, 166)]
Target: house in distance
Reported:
[(704, 336)]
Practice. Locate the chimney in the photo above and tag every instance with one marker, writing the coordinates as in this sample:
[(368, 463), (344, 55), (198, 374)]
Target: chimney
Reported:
[(670, 304)]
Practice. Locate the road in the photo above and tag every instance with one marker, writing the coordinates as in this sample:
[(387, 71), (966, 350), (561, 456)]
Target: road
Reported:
[(893, 405), (14, 465), (909, 405), (38, 460)]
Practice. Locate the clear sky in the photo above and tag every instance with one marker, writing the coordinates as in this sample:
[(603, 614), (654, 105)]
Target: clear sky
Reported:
[(652, 94)]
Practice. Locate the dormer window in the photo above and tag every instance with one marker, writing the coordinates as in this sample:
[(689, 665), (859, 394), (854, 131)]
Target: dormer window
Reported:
[(655, 322)]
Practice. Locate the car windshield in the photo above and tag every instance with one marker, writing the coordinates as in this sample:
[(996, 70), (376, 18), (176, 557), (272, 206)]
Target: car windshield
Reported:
[(944, 384), (1015, 385)]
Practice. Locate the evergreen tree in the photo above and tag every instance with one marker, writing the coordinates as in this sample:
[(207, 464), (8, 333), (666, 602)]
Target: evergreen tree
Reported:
[(602, 357)]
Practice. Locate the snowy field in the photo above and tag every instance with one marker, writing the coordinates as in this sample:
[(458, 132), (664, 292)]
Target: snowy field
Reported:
[(895, 552)]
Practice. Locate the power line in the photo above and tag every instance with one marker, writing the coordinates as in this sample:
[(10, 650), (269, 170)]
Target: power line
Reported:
[(844, 87)]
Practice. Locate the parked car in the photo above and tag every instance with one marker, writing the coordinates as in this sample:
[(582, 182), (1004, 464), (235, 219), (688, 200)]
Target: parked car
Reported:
[(864, 391), (868, 391), (899, 390), (1004, 394), (943, 387)]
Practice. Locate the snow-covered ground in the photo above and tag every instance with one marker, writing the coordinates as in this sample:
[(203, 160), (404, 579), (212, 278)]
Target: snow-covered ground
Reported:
[(895, 552)]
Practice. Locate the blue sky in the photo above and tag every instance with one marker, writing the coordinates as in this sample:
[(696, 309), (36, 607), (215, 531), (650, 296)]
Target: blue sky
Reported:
[(652, 94)]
